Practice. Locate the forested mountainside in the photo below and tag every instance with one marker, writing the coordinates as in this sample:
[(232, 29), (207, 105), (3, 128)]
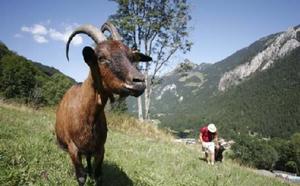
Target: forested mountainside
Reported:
[(29, 82), (255, 90)]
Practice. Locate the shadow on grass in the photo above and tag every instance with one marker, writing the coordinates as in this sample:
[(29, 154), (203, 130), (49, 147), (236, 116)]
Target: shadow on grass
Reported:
[(202, 159), (113, 175)]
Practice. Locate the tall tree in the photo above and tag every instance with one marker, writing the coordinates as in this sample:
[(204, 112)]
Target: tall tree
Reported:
[(159, 29)]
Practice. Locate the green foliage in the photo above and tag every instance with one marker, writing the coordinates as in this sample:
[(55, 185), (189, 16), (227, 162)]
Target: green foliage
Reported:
[(29, 155), (3, 49), (27, 82), (279, 154), (289, 153), (295, 141), (291, 166), (119, 105), (284, 150), (17, 77), (55, 88), (253, 152)]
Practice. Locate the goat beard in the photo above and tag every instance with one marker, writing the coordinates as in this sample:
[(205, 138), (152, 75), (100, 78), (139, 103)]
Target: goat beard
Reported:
[(111, 98)]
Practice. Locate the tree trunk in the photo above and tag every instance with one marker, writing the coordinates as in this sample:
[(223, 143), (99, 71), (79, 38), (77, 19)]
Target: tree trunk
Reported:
[(148, 83), (148, 102), (147, 95), (140, 108), (139, 99)]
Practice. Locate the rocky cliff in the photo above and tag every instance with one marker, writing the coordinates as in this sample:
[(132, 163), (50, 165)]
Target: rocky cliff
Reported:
[(276, 48)]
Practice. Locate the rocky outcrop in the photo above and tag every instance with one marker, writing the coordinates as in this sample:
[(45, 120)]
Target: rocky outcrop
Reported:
[(276, 49), (171, 88)]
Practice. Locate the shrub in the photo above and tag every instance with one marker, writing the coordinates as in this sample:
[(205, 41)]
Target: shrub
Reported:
[(265, 156), (291, 166), (288, 152), (228, 154), (254, 152)]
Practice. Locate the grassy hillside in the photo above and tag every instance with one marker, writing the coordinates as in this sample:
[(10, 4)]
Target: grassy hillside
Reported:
[(136, 154)]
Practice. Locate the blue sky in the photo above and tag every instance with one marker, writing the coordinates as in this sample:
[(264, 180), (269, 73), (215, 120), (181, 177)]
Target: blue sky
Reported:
[(38, 29)]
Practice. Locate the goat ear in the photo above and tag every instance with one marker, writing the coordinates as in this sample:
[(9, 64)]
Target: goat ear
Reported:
[(137, 56), (89, 55)]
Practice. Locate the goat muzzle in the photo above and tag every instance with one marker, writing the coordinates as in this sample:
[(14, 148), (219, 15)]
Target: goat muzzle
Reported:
[(135, 89)]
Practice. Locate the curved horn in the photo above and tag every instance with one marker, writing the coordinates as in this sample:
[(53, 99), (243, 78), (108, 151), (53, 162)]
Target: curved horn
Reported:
[(108, 26), (88, 29)]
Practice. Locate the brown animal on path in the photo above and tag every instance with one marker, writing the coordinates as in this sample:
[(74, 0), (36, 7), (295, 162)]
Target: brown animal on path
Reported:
[(81, 126)]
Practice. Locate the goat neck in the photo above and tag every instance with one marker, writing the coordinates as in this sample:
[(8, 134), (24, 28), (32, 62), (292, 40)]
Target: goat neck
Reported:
[(93, 92)]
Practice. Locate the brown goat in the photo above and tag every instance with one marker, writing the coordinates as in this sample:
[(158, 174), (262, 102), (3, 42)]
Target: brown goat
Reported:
[(81, 126)]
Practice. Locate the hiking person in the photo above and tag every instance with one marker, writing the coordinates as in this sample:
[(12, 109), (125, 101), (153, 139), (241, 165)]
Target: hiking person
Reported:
[(209, 139)]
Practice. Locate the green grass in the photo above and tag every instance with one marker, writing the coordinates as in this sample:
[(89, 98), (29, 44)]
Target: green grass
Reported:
[(135, 155)]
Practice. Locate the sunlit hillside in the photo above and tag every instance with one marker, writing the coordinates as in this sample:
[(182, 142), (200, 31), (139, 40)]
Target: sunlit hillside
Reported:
[(136, 154)]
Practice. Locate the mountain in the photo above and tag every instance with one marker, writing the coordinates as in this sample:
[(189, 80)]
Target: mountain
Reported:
[(255, 90), (25, 81)]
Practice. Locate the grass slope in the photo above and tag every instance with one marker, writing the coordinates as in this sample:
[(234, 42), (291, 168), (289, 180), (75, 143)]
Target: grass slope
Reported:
[(29, 156)]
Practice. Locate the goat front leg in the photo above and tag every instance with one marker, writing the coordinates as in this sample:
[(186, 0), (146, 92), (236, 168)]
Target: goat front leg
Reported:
[(76, 160), (98, 166)]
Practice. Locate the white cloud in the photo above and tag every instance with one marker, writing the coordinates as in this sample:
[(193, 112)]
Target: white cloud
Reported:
[(36, 29), (55, 35), (63, 36), (42, 34), (40, 39)]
